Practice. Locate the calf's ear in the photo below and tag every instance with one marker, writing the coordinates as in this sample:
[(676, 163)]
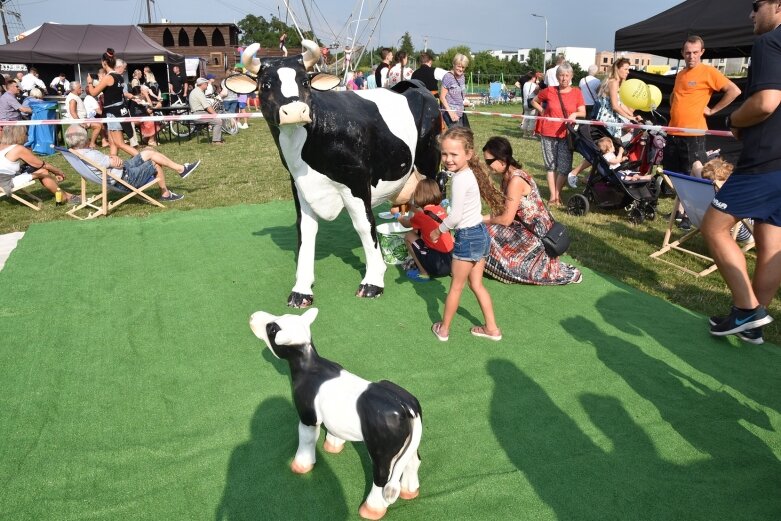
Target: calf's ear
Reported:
[(241, 84), (323, 81)]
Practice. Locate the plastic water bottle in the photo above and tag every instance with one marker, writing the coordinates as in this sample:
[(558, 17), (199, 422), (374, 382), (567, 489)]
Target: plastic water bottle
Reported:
[(58, 196)]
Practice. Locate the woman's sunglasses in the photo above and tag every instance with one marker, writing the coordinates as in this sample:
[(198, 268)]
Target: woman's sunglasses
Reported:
[(489, 162)]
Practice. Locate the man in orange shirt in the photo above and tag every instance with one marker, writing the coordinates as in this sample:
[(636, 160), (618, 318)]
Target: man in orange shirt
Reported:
[(694, 85)]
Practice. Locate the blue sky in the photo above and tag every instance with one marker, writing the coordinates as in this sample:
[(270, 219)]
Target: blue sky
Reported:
[(486, 24)]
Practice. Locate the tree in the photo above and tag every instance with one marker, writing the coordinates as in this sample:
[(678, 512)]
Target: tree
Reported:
[(445, 60), (256, 29), (406, 45), (535, 60)]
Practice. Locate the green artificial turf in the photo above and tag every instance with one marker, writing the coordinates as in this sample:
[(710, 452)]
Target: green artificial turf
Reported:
[(131, 386)]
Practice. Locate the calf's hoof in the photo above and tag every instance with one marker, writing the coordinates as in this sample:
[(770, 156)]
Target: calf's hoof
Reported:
[(333, 448), (369, 291), (300, 468), (300, 300), (368, 512), (409, 494)]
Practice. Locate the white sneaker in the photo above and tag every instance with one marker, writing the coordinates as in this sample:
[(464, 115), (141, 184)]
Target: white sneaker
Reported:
[(572, 180), (243, 126)]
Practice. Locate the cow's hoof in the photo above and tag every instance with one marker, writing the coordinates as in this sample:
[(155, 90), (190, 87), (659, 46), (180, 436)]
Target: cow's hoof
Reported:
[(300, 300), (369, 291), (368, 512), (409, 494), (300, 468), (333, 448)]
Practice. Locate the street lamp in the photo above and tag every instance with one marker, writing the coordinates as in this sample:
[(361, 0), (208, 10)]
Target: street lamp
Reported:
[(544, 47)]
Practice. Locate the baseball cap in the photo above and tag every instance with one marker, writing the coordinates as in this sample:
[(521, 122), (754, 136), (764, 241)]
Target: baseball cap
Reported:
[(201, 81), (210, 76)]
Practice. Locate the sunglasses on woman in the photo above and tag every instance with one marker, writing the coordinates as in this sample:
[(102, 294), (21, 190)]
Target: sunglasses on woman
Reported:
[(489, 162)]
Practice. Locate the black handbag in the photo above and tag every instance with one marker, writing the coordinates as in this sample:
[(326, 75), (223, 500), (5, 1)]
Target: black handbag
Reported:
[(556, 241)]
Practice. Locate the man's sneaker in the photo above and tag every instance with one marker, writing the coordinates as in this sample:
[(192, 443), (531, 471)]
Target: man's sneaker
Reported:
[(171, 197), (752, 336), (189, 168), (739, 321), (572, 181), (685, 224)]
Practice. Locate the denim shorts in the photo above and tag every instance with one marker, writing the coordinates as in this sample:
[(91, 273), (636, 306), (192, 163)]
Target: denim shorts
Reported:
[(471, 244), (112, 125), (138, 172)]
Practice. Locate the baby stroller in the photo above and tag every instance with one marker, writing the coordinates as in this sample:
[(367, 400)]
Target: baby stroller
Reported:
[(605, 188)]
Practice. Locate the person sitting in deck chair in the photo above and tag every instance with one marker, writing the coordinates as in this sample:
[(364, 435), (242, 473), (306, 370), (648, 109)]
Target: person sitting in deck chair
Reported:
[(137, 170)]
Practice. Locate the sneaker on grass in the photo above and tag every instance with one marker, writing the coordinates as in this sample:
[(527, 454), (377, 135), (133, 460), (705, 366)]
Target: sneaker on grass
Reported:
[(752, 336), (171, 197), (189, 168), (739, 320), (415, 276)]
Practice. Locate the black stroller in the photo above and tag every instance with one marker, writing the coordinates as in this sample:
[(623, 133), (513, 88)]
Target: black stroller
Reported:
[(604, 187)]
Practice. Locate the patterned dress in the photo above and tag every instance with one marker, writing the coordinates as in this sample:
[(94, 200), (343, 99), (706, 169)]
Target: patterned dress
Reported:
[(517, 255)]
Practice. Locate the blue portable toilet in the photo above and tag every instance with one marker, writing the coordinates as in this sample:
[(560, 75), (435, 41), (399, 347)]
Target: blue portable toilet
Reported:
[(40, 138)]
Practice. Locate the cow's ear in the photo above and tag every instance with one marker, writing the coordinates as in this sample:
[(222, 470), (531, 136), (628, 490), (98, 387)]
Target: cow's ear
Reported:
[(322, 81), (241, 84)]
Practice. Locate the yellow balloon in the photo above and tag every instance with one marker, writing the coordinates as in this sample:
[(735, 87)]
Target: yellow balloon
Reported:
[(654, 98), (634, 94)]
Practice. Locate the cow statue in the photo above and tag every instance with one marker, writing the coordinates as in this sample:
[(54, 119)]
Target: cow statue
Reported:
[(382, 414), (348, 149)]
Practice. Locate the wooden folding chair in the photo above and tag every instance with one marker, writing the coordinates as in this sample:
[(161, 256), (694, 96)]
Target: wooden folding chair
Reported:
[(18, 185), (695, 195), (108, 181)]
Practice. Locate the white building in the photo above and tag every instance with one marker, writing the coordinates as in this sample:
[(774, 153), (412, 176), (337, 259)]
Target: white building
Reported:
[(583, 56)]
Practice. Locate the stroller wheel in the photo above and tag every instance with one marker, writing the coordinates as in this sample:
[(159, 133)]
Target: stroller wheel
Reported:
[(649, 212), (577, 205), (636, 215)]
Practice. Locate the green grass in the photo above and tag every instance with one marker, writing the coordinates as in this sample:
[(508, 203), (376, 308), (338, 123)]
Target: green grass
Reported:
[(248, 170)]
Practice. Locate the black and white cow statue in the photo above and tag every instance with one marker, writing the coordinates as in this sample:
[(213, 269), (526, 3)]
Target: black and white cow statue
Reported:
[(381, 414), (347, 149)]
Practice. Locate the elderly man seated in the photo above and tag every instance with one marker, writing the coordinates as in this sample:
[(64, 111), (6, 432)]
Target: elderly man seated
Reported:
[(200, 104), (75, 109), (136, 171), (10, 108)]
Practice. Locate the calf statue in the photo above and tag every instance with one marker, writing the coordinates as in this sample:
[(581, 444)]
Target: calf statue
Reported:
[(382, 414), (347, 149)]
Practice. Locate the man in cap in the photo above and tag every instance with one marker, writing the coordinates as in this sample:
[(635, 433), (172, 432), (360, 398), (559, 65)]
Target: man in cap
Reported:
[(200, 104)]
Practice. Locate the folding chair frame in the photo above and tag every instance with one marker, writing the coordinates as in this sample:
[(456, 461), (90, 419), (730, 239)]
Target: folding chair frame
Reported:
[(105, 206), (668, 246), (29, 200)]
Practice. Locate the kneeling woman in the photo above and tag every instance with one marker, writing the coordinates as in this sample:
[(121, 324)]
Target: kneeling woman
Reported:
[(517, 254)]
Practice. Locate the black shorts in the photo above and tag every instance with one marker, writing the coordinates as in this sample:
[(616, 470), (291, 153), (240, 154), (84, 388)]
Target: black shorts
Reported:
[(436, 263), (681, 152)]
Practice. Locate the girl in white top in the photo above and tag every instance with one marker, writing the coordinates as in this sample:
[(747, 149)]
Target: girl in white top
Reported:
[(399, 71), (472, 244)]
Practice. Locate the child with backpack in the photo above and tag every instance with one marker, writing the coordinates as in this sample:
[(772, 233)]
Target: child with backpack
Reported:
[(432, 258)]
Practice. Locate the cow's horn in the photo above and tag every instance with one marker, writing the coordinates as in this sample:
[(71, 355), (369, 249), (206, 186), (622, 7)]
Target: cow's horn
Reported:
[(311, 54), (251, 63)]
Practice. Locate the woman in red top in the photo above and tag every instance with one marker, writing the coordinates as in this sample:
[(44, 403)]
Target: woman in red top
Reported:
[(555, 153), (431, 258)]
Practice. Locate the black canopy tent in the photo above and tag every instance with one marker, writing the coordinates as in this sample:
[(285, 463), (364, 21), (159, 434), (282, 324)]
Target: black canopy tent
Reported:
[(84, 44), (723, 24), (53, 47)]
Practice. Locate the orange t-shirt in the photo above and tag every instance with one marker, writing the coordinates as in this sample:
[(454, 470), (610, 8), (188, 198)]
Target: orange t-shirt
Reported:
[(424, 223), (691, 94)]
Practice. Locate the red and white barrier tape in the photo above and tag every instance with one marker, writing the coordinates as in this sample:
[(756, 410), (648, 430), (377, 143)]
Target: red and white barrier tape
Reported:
[(258, 115), (657, 128)]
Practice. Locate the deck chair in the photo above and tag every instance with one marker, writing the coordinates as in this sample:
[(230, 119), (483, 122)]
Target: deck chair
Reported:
[(108, 181), (695, 195), (15, 187)]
